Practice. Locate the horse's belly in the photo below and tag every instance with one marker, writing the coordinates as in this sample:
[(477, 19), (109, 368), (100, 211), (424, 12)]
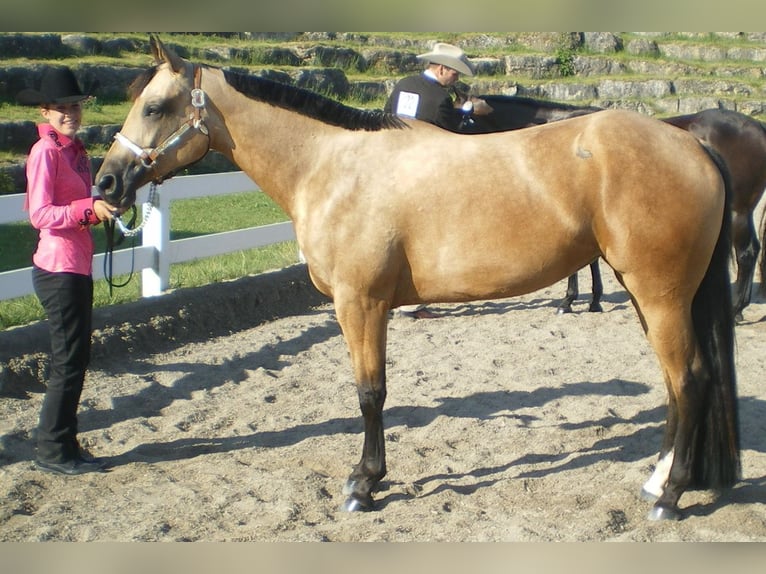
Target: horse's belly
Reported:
[(497, 273)]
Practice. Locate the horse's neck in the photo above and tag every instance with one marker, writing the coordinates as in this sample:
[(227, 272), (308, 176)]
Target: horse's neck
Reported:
[(271, 145)]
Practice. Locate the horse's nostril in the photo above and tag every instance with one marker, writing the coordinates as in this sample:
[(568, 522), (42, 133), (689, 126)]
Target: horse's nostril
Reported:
[(111, 190), (106, 183)]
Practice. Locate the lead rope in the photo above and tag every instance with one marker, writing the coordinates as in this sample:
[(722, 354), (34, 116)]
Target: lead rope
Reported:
[(126, 230)]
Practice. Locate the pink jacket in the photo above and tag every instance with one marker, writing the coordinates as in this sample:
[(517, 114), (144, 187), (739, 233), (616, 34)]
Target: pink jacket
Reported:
[(59, 202)]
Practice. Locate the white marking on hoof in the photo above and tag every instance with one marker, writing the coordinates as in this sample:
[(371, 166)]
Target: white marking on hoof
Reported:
[(655, 486), (353, 505), (648, 496), (662, 513), (348, 487)]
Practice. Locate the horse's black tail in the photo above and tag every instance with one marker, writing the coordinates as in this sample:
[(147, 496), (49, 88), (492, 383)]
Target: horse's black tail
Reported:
[(717, 451)]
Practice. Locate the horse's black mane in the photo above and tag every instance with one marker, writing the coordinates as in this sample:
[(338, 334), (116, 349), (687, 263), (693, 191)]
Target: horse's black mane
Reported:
[(299, 100), (311, 103)]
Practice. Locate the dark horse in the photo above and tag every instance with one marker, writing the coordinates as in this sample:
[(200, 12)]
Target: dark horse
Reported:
[(525, 209), (739, 139)]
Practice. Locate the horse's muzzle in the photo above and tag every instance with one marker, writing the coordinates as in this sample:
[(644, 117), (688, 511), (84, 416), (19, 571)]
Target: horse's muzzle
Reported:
[(113, 192)]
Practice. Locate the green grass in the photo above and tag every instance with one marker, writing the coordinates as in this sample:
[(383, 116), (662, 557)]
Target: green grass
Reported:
[(190, 218)]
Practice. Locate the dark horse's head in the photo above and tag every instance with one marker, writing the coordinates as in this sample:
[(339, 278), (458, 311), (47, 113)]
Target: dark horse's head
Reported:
[(163, 132)]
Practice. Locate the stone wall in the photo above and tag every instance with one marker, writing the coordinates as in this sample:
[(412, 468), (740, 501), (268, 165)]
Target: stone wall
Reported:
[(652, 72)]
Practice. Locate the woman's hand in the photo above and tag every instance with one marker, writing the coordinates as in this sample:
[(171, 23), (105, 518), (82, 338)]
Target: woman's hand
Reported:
[(105, 211)]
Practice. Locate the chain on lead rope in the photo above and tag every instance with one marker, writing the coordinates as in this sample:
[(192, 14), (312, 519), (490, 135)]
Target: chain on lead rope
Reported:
[(146, 210), (126, 230)]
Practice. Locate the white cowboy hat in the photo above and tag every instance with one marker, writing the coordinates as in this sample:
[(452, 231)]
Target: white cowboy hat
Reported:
[(450, 56)]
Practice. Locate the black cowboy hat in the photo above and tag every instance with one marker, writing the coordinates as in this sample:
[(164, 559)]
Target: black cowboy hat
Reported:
[(58, 86)]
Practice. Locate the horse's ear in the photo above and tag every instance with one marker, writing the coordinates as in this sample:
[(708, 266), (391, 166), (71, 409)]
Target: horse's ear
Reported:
[(162, 54)]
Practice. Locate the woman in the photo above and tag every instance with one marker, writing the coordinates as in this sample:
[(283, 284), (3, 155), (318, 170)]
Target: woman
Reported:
[(60, 206)]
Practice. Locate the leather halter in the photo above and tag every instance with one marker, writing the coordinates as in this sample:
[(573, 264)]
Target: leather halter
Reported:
[(148, 157)]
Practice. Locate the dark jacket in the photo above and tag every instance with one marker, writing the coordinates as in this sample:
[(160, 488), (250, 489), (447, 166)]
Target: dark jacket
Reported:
[(428, 99)]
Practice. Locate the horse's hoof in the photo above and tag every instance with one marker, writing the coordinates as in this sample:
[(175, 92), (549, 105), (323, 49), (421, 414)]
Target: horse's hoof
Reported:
[(348, 487), (595, 308), (648, 496), (663, 513), (563, 310), (353, 504)]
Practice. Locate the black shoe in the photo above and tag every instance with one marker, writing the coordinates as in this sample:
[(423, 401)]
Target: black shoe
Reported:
[(71, 467), (83, 454)]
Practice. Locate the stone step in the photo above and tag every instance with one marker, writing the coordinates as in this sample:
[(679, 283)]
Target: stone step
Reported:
[(655, 73)]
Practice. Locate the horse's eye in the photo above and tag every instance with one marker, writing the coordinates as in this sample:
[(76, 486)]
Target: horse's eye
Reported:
[(152, 110)]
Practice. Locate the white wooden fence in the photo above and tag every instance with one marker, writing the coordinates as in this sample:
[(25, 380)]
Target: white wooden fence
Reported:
[(157, 252)]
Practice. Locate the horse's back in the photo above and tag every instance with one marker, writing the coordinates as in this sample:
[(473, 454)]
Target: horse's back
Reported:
[(514, 112), (525, 208), (660, 172), (741, 142), (663, 204)]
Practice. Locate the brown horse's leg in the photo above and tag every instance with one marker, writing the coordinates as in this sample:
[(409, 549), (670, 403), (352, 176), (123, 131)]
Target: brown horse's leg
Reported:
[(746, 248), (655, 486), (573, 291), (598, 287), (364, 323), (683, 453), (671, 333)]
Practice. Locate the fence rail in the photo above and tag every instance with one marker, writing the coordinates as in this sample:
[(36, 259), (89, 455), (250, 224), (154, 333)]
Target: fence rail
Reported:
[(157, 252)]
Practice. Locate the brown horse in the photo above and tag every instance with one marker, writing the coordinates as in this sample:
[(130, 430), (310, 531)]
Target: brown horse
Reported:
[(739, 139), (358, 184), (741, 142)]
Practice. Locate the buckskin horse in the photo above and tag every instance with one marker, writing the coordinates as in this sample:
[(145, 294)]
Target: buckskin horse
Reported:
[(357, 183), (739, 139)]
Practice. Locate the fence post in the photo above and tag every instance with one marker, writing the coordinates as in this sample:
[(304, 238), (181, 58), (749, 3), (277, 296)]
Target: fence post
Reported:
[(156, 233)]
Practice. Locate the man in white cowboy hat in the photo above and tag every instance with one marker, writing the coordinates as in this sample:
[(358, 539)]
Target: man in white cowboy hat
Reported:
[(429, 97)]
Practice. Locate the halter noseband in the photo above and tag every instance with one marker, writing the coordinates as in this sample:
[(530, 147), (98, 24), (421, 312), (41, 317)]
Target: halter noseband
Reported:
[(149, 157)]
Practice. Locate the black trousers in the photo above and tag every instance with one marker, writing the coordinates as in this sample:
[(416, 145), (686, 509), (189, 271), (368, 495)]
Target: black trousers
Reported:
[(68, 302)]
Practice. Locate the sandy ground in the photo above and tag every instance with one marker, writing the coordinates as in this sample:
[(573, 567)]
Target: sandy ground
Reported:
[(228, 413)]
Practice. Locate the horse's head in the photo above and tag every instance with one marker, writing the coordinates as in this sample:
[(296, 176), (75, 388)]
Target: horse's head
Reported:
[(163, 132)]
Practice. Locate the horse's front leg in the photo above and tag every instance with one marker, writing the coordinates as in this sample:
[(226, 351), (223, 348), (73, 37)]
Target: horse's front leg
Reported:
[(364, 323)]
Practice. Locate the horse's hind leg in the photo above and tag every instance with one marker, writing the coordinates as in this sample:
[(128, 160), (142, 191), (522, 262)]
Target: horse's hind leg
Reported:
[(572, 292), (598, 287), (655, 486), (363, 322), (670, 331), (746, 248)]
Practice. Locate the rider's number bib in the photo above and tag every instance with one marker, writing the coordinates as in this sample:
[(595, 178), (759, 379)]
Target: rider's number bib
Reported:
[(407, 104)]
